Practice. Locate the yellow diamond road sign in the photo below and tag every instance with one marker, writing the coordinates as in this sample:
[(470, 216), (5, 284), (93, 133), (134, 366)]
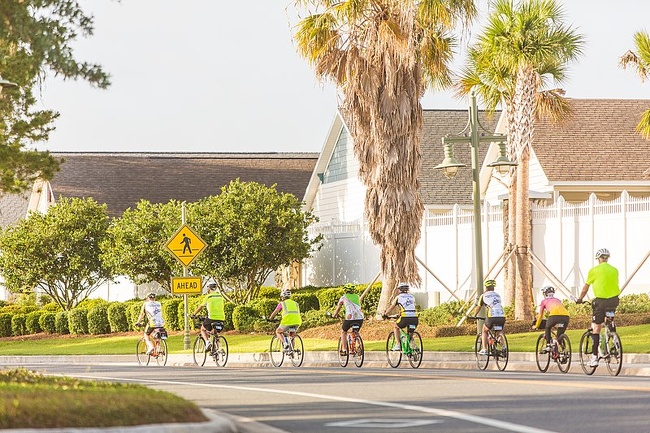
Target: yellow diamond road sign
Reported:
[(185, 245)]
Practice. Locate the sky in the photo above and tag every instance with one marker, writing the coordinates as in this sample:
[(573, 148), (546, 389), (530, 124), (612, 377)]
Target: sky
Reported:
[(224, 76)]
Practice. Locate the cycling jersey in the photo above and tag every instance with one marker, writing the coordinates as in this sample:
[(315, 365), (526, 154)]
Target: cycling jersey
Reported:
[(352, 305), (290, 313), (214, 305), (406, 303), (554, 307), (604, 280), (153, 309), (492, 301)]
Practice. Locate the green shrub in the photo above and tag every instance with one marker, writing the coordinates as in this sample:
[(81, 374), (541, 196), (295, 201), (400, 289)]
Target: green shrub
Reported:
[(32, 322), (51, 306), (306, 301), (98, 319), (634, 304), (228, 309), (78, 320), (47, 321), (61, 322), (117, 319), (448, 313), (5, 324), (18, 324), (315, 318), (243, 317), (263, 307), (170, 314), (264, 326), (371, 301), (269, 292), (133, 311), (328, 298)]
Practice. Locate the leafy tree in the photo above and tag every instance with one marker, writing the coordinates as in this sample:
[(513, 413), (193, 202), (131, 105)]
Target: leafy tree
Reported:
[(57, 253), (36, 39), (640, 59), (250, 230)]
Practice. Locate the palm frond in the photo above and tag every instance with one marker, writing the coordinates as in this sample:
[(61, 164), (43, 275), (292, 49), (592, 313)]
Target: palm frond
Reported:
[(643, 127)]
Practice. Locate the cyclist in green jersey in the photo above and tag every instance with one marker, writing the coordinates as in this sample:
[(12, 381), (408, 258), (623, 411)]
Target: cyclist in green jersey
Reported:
[(290, 315), (213, 304)]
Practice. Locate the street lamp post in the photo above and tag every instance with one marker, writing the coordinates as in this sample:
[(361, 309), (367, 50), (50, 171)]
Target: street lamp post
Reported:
[(450, 167)]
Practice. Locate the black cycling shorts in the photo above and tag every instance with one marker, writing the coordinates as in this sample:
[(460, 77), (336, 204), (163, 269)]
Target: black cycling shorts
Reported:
[(406, 321), (600, 305), (491, 321), (208, 324), (347, 324)]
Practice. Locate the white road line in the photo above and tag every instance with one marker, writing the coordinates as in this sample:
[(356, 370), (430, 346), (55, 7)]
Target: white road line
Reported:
[(504, 425)]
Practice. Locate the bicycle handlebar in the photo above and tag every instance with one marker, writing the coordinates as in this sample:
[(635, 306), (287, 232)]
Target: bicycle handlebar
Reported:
[(476, 317)]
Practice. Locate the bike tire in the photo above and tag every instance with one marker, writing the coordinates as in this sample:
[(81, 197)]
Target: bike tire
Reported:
[(564, 353), (343, 359), (198, 351), (298, 352), (585, 352), (416, 349), (141, 352), (482, 361), (393, 357), (543, 359), (221, 351), (276, 352), (359, 352), (501, 350), (615, 359), (161, 352)]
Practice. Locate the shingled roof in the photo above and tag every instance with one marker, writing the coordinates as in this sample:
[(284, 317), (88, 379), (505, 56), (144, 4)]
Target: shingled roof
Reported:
[(122, 179)]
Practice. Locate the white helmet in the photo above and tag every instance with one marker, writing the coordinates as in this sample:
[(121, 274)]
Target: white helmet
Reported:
[(603, 252), (286, 293), (403, 287)]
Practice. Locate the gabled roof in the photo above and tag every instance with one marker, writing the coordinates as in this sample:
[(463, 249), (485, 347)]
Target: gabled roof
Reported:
[(122, 179)]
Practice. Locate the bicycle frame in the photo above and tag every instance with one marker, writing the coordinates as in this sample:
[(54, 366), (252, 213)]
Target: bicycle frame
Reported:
[(610, 347)]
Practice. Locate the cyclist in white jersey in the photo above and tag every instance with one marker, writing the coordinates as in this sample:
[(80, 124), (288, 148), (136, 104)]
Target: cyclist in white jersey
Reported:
[(495, 313), (408, 315), (152, 309), (353, 314)]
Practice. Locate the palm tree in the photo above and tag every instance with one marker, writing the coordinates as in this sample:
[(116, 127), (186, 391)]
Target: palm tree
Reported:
[(381, 54), (522, 47), (641, 61)]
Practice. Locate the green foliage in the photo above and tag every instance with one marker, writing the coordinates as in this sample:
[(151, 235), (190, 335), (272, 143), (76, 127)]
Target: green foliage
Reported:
[(371, 301), (61, 322), (170, 313), (133, 311), (32, 322), (51, 306), (263, 326), (634, 303), (5, 324), (315, 318), (98, 319), (78, 321), (228, 309), (47, 322), (18, 324), (328, 298), (269, 292), (117, 317), (306, 301), (448, 313), (243, 318), (264, 306)]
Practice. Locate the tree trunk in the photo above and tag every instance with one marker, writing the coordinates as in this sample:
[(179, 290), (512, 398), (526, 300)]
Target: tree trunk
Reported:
[(388, 293), (511, 266)]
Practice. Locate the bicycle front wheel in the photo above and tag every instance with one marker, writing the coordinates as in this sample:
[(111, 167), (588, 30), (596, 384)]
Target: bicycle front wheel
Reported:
[(564, 353), (415, 348), (161, 352), (481, 360), (298, 352), (615, 359), (502, 352), (141, 352), (343, 359), (358, 352), (276, 351), (586, 344), (543, 359), (221, 351), (198, 351), (394, 357)]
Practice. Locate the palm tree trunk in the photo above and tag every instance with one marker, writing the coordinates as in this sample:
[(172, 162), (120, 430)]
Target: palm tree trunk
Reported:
[(511, 268)]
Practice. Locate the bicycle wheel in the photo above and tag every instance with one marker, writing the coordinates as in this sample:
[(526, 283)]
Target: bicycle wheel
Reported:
[(415, 349), (585, 352), (615, 359), (481, 360), (343, 359), (161, 352), (564, 353), (359, 353), (298, 352), (543, 359), (502, 353), (276, 352), (393, 357), (198, 351), (220, 351), (141, 352)]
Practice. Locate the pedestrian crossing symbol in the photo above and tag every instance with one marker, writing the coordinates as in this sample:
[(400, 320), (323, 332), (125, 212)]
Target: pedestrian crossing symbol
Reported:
[(185, 245)]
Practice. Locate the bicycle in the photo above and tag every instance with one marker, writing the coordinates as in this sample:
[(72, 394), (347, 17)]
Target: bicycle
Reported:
[(497, 347), (411, 343), (159, 353), (355, 346), (610, 350), (294, 348), (218, 348), (560, 350)]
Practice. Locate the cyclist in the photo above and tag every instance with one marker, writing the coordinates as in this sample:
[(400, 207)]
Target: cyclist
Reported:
[(408, 316), (604, 279), (153, 311), (353, 314), (290, 315), (495, 313), (213, 304), (557, 314)]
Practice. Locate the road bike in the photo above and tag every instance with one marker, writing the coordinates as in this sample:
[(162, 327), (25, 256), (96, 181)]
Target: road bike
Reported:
[(497, 347), (218, 345), (559, 350), (411, 346), (610, 350), (291, 347), (159, 353), (355, 347)]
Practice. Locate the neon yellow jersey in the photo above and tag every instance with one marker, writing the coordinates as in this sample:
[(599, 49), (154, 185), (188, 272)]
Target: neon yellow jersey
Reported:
[(214, 305), (290, 313), (603, 278)]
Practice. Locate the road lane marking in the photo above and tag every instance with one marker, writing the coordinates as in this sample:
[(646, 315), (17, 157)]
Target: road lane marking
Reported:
[(383, 423)]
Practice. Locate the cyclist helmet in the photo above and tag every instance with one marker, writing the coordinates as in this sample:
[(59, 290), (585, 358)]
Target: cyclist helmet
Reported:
[(490, 283), (151, 295), (403, 287), (548, 290), (212, 286), (603, 252), (286, 293), (348, 288)]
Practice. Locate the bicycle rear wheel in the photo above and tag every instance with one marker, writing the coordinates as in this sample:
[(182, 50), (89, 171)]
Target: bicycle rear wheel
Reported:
[(141, 352), (161, 352), (343, 359), (543, 359), (276, 351), (220, 351), (393, 357), (502, 353), (615, 359), (415, 357), (298, 352), (198, 351), (481, 360), (358, 353), (586, 344), (564, 353)]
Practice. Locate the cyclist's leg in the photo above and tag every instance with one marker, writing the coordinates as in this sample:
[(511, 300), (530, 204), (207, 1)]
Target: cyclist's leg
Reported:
[(147, 337), (487, 325), (206, 326), (279, 332), (345, 327), (597, 319), (401, 323)]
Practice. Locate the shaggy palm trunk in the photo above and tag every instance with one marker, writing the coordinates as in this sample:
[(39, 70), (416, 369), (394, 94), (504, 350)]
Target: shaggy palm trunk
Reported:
[(511, 267)]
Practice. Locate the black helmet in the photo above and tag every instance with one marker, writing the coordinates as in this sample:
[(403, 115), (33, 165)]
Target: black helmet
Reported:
[(403, 287), (546, 290), (151, 295), (212, 286)]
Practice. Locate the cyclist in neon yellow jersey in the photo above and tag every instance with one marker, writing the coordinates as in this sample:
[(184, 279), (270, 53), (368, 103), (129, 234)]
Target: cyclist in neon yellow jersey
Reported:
[(290, 315), (353, 314), (213, 304), (604, 279)]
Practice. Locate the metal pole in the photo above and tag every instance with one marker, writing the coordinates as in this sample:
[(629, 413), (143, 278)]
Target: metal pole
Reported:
[(186, 333), (476, 189)]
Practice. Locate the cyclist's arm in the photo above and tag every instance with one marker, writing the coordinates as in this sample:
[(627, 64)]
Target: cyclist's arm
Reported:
[(198, 309), (275, 312), (585, 289), (142, 314), (338, 309), (540, 315)]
